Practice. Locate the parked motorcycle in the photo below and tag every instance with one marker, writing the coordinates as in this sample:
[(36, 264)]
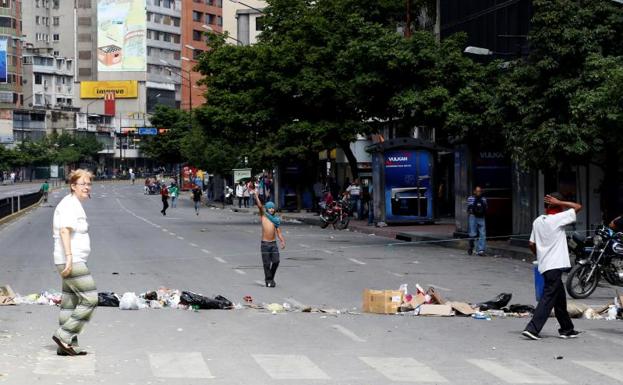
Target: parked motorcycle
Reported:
[(605, 260), (336, 214), (580, 246)]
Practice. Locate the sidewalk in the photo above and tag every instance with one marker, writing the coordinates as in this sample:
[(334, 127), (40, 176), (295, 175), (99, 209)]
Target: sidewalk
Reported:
[(439, 234)]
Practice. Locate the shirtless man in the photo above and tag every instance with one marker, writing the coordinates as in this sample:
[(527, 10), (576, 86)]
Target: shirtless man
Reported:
[(270, 231)]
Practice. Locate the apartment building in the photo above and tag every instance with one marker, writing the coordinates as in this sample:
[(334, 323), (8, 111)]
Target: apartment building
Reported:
[(198, 17), (11, 68), (242, 20)]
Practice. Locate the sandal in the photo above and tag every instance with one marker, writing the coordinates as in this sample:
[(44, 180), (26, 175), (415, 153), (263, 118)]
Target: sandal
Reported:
[(64, 349)]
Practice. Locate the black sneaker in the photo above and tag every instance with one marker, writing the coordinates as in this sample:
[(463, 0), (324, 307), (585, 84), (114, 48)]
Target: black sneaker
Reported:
[(569, 334), (530, 335), (470, 251)]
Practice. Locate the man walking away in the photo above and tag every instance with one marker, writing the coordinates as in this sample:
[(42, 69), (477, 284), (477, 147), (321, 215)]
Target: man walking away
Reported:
[(548, 242), (174, 192), (240, 193), (196, 196), (45, 187), (477, 210), (354, 191), (270, 231), (164, 194)]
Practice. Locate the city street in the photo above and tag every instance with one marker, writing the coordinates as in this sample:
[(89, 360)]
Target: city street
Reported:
[(136, 249)]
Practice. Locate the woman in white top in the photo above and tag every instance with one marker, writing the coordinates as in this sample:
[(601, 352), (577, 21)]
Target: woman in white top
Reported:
[(72, 247)]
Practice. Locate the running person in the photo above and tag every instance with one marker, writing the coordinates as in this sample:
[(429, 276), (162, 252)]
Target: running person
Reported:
[(196, 196), (270, 231)]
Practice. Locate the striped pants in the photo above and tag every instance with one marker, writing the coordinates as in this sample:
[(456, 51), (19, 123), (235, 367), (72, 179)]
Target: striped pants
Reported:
[(78, 302)]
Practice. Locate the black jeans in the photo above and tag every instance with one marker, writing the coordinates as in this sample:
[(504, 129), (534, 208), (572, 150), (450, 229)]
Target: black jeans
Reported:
[(554, 297), (165, 205), (270, 259)]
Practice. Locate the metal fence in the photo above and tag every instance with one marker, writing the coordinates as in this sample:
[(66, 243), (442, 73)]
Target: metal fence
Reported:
[(14, 204)]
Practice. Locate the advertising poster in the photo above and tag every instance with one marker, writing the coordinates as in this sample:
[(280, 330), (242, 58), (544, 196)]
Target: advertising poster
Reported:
[(3, 64), (121, 35), (408, 192)]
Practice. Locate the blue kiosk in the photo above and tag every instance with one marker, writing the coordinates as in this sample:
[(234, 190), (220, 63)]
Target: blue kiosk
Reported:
[(402, 176)]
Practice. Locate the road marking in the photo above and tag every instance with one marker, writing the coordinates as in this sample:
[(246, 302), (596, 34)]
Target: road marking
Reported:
[(403, 369), (165, 230), (179, 365), (157, 226), (289, 367), (49, 363), (180, 238), (608, 369), (398, 275), (439, 287), (516, 372), (356, 261), (240, 272), (260, 283), (348, 333), (206, 251), (327, 251), (193, 244), (219, 259), (304, 245)]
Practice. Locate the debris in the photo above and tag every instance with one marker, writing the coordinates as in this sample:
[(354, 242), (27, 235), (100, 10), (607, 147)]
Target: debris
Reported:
[(115, 273), (435, 296), (462, 308), (516, 308), (591, 314), (381, 301), (247, 299), (497, 303), (274, 308), (436, 310), (129, 301), (107, 299), (7, 296), (559, 357), (481, 316), (219, 302)]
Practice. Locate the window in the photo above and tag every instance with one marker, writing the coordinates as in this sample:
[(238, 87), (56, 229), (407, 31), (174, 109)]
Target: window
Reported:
[(5, 3), (84, 37), (197, 53), (38, 79), (81, 3), (84, 72), (197, 16), (259, 23), (176, 21), (56, 53), (210, 18), (84, 21), (56, 37), (56, 20), (197, 35), (84, 55), (176, 39), (37, 20)]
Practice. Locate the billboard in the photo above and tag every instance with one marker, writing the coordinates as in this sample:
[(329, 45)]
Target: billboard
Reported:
[(121, 35), (3, 64), (408, 185), (123, 89)]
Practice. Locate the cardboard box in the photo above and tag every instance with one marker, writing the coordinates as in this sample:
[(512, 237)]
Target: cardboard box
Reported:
[(381, 301), (462, 308), (7, 296), (436, 298), (416, 300), (436, 310)]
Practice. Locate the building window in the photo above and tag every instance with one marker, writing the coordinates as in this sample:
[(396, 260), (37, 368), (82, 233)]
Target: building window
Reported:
[(56, 37), (210, 18), (81, 3), (84, 71), (38, 79), (84, 55), (37, 20), (197, 35), (259, 23), (56, 20), (197, 54), (84, 21), (84, 37), (197, 16), (5, 3)]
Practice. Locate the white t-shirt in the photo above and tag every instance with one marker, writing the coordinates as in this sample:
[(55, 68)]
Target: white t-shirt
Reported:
[(69, 213), (548, 233), (354, 190)]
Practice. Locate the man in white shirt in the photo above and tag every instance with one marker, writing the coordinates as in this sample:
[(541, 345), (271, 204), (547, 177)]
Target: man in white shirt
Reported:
[(354, 191), (548, 242)]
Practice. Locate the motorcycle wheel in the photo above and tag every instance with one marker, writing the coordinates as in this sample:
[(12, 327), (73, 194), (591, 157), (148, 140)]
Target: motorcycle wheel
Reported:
[(343, 223), (577, 285), (323, 224)]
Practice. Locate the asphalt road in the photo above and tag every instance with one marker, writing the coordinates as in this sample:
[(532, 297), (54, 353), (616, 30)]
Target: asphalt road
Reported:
[(136, 249)]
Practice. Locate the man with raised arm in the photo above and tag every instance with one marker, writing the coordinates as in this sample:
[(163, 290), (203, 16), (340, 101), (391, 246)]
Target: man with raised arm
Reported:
[(270, 232)]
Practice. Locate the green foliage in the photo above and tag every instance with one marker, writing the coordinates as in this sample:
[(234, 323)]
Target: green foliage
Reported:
[(166, 148)]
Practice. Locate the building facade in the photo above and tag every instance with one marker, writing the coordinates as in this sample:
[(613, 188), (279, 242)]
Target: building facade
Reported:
[(243, 20), (10, 87)]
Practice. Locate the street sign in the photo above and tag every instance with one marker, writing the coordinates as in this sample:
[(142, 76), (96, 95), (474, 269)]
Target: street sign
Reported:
[(241, 173), (147, 131)]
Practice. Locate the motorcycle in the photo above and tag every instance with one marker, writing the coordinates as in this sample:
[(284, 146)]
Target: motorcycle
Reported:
[(605, 260), (580, 246), (336, 214), (228, 195)]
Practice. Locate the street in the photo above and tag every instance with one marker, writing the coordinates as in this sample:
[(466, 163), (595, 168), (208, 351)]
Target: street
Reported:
[(136, 249)]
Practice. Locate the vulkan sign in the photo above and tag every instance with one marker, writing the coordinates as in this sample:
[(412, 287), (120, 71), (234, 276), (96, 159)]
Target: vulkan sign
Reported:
[(109, 104)]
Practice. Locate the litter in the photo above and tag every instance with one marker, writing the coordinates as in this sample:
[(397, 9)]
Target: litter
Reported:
[(129, 301), (7, 296), (497, 303), (107, 299), (219, 302)]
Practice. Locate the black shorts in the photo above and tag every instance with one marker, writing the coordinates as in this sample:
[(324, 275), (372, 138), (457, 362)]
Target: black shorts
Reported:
[(270, 252)]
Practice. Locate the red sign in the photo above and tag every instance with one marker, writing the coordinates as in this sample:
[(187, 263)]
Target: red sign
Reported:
[(109, 104)]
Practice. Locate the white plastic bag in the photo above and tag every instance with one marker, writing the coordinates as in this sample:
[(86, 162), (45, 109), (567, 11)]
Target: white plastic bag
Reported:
[(129, 301)]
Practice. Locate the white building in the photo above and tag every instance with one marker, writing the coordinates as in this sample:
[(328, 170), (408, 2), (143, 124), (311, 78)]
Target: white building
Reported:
[(242, 20)]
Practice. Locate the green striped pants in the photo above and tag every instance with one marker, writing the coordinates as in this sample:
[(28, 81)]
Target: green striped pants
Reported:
[(78, 302)]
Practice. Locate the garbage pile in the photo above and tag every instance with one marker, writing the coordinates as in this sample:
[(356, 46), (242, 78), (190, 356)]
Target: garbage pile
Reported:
[(431, 303)]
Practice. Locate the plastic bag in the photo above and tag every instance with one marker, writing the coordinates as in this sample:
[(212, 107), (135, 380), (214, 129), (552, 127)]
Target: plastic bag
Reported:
[(497, 303), (129, 301), (517, 308), (107, 299), (193, 299)]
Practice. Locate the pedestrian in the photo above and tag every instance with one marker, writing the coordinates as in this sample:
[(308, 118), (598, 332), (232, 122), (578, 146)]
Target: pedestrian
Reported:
[(250, 186), (270, 232), (317, 189), (548, 242), (354, 191), (12, 177), (477, 211), (164, 194), (174, 191), (240, 193), (370, 204), (72, 247), (196, 197), (45, 187), (132, 176)]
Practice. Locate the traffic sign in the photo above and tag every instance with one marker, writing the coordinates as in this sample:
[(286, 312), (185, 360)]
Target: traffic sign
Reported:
[(147, 131)]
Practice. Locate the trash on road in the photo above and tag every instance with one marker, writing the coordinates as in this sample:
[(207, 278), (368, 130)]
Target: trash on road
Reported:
[(129, 301), (382, 301), (497, 303), (219, 302), (7, 296), (107, 299), (435, 310)]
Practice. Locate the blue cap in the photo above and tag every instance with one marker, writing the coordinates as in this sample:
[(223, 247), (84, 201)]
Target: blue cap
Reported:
[(269, 205)]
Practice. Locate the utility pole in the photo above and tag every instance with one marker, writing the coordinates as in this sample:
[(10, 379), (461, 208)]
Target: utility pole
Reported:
[(408, 20)]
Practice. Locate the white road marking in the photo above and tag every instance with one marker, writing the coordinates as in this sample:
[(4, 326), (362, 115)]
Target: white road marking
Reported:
[(157, 226), (289, 367), (219, 259), (165, 230), (241, 272), (403, 369), (260, 283), (327, 251), (348, 333), (516, 372), (609, 369), (304, 245), (48, 363), (179, 365), (206, 251), (170, 233), (193, 244), (398, 275), (439, 287), (294, 302), (356, 261), (180, 238)]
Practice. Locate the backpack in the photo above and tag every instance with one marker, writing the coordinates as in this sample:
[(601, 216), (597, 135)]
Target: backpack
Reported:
[(479, 207)]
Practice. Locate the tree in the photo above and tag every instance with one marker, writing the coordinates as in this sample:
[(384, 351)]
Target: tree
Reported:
[(166, 147)]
